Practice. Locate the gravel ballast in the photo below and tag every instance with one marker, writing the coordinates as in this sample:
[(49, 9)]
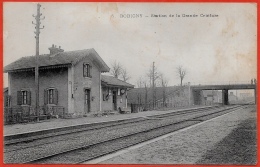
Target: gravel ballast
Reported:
[(202, 144), (71, 141)]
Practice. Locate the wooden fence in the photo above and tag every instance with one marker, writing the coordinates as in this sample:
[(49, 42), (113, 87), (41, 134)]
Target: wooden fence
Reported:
[(21, 114), (156, 106)]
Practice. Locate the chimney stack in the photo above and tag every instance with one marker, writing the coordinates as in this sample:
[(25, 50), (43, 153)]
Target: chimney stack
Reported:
[(54, 50)]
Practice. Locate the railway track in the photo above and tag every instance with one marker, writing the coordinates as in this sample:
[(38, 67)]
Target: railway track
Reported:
[(91, 150), (32, 136), (70, 136)]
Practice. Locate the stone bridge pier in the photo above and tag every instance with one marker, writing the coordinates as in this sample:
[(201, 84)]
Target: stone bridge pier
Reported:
[(225, 97), (197, 97)]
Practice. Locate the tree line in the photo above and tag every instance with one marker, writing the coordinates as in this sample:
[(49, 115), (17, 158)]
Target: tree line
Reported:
[(154, 78), (118, 71)]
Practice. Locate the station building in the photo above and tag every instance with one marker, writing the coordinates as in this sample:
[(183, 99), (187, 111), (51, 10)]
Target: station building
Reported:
[(71, 84)]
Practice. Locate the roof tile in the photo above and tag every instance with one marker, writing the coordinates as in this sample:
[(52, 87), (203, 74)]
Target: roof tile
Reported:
[(69, 57)]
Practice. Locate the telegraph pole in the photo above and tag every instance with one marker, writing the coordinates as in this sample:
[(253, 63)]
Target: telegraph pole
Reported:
[(37, 37), (153, 89)]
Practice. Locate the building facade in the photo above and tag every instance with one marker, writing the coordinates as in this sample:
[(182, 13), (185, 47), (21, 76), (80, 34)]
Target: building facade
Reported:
[(70, 81)]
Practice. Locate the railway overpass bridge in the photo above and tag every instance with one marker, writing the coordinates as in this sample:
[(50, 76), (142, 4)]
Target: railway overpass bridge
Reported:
[(196, 90)]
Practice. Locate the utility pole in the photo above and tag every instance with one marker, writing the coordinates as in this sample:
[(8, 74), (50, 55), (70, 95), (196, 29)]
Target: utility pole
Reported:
[(189, 93), (153, 88), (37, 37)]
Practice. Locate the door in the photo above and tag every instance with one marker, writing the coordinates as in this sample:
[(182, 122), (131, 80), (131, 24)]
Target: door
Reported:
[(87, 100), (114, 100)]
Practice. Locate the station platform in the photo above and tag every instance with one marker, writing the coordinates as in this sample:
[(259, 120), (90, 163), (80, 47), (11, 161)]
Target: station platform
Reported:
[(229, 139), (59, 123)]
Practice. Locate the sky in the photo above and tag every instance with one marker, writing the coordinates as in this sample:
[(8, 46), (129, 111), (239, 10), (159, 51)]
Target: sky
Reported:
[(218, 49)]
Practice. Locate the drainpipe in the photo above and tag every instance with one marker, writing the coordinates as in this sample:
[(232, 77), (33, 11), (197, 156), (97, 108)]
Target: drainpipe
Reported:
[(71, 105)]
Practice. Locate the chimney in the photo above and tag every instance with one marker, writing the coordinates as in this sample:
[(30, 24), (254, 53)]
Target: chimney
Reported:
[(54, 49)]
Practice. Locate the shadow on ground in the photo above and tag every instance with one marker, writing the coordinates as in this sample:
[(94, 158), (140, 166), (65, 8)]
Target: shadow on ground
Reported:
[(239, 147)]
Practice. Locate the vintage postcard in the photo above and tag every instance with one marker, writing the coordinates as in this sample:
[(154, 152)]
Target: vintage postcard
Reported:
[(130, 83)]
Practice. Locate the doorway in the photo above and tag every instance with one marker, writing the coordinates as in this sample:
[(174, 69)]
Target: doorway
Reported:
[(115, 100), (87, 101)]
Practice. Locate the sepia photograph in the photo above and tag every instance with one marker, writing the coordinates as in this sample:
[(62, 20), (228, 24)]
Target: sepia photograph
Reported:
[(130, 83)]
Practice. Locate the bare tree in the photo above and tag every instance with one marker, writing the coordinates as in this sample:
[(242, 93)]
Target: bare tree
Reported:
[(181, 72), (151, 79), (125, 75), (142, 82), (153, 75), (146, 94), (116, 69), (164, 83), (150, 76), (139, 93), (139, 82)]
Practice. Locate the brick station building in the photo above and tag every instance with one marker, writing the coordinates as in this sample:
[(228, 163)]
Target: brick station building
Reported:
[(70, 84)]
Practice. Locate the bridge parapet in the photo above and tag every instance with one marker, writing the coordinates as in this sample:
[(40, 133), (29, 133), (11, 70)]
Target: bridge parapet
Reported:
[(224, 86), (222, 83)]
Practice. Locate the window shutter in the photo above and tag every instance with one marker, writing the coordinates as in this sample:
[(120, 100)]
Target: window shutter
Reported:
[(6, 101), (28, 98), (84, 70), (90, 71), (19, 98), (55, 96), (45, 96)]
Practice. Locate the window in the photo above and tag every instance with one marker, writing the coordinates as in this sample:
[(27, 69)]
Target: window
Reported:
[(87, 96), (105, 94), (87, 70), (24, 97), (51, 96)]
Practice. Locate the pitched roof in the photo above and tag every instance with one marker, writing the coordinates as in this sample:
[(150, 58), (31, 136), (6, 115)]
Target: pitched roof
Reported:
[(112, 81), (61, 58)]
